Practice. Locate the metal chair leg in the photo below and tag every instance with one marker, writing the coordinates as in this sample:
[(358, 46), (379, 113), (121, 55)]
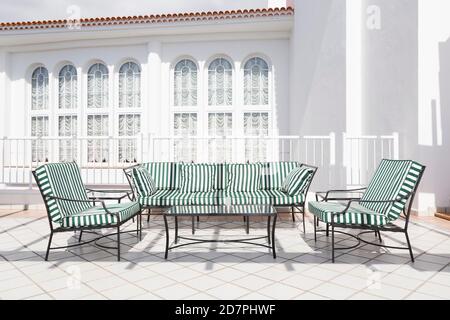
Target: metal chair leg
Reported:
[(81, 234), (118, 243), (409, 246), (332, 243), (148, 214), (293, 214), (315, 229), (304, 227), (48, 246), (328, 230)]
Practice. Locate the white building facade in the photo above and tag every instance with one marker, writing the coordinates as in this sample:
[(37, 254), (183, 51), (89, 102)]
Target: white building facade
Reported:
[(298, 82)]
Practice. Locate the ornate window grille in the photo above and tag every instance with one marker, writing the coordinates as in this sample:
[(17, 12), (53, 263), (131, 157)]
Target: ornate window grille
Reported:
[(256, 124), (98, 149), (220, 83), (39, 148), (185, 127), (97, 86), (256, 82), (129, 85), (39, 89), (185, 83), (129, 126), (68, 87), (220, 125), (67, 127)]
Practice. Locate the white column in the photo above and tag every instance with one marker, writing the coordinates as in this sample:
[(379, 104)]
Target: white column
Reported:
[(153, 88), (354, 27), (5, 88)]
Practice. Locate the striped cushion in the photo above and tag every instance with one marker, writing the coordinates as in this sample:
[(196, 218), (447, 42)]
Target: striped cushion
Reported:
[(272, 197), (143, 182), (96, 216), (296, 181), (62, 180), (392, 179), (166, 175), (356, 215), (274, 173), (208, 198), (162, 198), (244, 177), (198, 177), (220, 181)]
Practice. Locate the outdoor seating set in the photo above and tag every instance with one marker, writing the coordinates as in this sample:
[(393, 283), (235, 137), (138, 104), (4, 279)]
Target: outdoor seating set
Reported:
[(239, 189)]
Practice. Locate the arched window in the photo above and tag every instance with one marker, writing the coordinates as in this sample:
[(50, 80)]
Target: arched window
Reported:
[(39, 89), (129, 85), (68, 87), (97, 86), (220, 83), (256, 82), (185, 83)]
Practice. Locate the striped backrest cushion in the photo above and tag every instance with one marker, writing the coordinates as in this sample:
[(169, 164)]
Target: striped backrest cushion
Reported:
[(244, 177), (143, 182), (297, 181), (274, 173), (392, 179), (198, 177), (220, 182), (165, 175), (62, 180)]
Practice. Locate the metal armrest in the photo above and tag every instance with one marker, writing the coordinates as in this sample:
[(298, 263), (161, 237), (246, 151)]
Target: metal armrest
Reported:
[(84, 201), (326, 197)]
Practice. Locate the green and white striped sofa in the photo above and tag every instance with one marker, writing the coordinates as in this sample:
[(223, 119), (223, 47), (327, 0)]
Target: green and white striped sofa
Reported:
[(216, 184), (389, 194), (69, 207)]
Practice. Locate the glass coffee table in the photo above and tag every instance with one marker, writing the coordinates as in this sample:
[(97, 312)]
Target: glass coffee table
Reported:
[(246, 211)]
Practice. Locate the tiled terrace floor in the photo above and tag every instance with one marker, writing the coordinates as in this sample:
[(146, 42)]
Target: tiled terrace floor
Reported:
[(303, 269)]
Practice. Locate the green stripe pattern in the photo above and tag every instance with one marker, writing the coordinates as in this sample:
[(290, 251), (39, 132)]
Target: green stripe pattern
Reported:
[(274, 173), (393, 179), (96, 216), (356, 215), (62, 180), (198, 177), (166, 175), (297, 181), (244, 177), (162, 198), (143, 181), (273, 197)]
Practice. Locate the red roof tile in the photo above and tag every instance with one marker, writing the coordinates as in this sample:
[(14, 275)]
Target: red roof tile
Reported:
[(158, 18)]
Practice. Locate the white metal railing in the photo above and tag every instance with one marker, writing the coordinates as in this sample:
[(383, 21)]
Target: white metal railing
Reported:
[(102, 159), (362, 154)]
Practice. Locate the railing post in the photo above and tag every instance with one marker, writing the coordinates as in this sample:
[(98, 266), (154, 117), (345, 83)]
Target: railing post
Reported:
[(332, 148), (396, 145)]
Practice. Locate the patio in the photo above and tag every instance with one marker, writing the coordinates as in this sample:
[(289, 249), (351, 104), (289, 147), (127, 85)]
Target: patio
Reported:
[(302, 270)]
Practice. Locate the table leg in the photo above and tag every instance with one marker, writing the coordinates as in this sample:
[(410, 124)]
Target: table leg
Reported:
[(268, 229), (193, 226), (167, 236), (176, 229), (248, 225), (273, 236)]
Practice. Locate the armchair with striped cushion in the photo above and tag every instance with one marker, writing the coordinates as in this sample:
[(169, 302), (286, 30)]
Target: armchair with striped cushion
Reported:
[(389, 194), (70, 209)]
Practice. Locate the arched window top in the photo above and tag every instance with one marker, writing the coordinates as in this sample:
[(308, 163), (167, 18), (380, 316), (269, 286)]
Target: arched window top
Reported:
[(220, 82), (68, 87), (185, 83), (256, 82), (130, 85), (130, 68), (98, 86), (39, 89)]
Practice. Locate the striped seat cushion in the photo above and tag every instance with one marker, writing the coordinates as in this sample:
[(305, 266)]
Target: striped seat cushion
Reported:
[(207, 198), (297, 181), (62, 180), (166, 175), (96, 216), (162, 198), (393, 179), (198, 177), (244, 177), (143, 181), (274, 173), (356, 215), (272, 197)]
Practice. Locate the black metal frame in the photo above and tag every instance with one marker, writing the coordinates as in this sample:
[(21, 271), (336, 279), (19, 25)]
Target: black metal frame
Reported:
[(299, 206), (87, 228), (366, 228), (270, 231)]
